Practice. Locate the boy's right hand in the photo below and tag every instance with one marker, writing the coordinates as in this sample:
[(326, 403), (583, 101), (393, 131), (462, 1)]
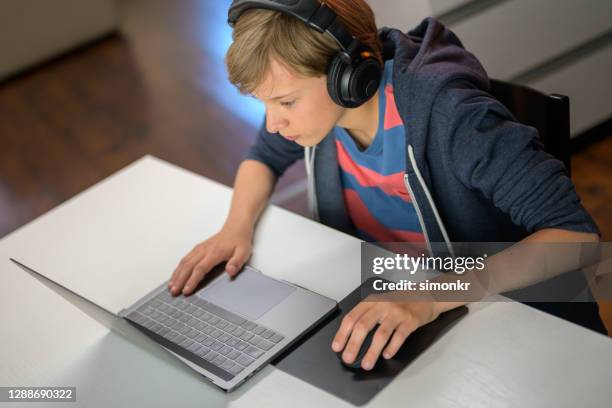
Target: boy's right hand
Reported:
[(232, 244)]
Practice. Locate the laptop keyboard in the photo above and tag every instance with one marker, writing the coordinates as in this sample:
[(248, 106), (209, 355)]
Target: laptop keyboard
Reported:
[(220, 337)]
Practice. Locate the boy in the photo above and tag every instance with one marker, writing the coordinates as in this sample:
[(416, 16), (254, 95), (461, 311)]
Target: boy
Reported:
[(402, 144)]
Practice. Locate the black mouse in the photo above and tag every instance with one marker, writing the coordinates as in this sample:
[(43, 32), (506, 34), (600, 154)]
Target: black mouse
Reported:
[(365, 346)]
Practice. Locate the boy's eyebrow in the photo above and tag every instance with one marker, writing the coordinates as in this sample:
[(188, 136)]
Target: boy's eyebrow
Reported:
[(282, 96)]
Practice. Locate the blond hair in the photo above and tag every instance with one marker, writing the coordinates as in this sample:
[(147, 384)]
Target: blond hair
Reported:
[(261, 34)]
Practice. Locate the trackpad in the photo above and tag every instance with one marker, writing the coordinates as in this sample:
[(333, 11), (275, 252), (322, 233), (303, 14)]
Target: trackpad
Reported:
[(250, 294)]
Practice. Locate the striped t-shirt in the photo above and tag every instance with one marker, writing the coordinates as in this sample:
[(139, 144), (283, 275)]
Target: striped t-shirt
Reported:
[(376, 196)]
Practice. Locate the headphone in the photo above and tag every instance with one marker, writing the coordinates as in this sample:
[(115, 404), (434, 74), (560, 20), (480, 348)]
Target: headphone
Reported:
[(354, 73)]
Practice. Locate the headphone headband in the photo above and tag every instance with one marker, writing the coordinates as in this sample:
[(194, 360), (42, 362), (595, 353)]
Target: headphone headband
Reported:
[(316, 15), (353, 75)]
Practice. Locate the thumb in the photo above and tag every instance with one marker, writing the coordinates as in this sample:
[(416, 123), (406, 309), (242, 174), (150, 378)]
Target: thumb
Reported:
[(236, 262)]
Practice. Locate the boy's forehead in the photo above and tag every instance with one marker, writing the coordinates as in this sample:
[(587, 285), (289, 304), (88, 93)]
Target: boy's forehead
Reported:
[(278, 80)]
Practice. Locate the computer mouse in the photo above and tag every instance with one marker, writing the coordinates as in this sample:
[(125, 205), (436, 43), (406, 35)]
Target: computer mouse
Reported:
[(365, 346)]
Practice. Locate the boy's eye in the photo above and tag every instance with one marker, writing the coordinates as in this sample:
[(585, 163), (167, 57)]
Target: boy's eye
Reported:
[(287, 104)]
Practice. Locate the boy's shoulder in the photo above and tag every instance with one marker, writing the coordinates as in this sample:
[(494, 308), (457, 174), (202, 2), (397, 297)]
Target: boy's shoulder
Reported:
[(428, 57)]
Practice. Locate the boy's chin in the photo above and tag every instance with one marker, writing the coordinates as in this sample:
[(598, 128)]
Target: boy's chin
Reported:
[(305, 141)]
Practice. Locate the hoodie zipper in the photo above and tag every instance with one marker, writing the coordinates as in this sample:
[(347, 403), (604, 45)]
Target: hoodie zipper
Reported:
[(431, 203), (418, 211), (309, 158)]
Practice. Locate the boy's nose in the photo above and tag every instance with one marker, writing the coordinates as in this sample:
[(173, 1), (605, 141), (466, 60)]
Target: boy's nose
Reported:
[(275, 124)]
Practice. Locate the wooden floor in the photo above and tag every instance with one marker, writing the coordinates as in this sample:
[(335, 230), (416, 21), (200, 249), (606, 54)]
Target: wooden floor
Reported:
[(592, 176), (154, 89)]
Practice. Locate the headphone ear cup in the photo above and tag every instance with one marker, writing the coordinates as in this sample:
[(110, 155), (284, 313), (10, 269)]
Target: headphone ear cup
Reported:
[(334, 80), (364, 81), (351, 86)]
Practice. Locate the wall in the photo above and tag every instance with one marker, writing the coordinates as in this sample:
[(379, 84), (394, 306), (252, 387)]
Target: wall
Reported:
[(556, 46)]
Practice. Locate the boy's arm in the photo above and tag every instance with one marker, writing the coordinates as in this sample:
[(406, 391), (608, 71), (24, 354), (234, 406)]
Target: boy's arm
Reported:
[(266, 160), (252, 189), (399, 319), (526, 263), (504, 160), (491, 154)]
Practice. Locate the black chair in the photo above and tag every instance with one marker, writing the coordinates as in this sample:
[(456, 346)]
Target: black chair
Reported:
[(549, 114)]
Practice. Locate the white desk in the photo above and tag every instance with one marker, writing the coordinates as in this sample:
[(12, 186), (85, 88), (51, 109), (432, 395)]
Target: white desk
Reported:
[(130, 231)]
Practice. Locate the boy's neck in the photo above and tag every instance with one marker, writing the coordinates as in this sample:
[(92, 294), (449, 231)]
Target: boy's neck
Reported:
[(362, 122)]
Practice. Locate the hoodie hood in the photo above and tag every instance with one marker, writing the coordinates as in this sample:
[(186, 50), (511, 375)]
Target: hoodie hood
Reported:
[(426, 59)]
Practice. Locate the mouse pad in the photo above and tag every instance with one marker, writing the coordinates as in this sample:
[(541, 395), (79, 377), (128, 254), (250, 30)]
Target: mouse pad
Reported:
[(312, 359)]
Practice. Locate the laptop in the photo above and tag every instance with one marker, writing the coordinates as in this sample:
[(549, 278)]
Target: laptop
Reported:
[(229, 328)]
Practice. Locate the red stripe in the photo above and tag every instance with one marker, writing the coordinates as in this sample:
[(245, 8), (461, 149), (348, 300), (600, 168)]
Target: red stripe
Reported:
[(392, 185), (392, 117), (364, 221)]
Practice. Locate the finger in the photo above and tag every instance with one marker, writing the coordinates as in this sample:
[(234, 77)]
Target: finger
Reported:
[(347, 324), (399, 336), (360, 330), (187, 262), (381, 337), (186, 273), (202, 268), (184, 270), (240, 256)]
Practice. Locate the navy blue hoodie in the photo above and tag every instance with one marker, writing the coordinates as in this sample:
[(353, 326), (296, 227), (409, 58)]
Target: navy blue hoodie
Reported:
[(474, 173)]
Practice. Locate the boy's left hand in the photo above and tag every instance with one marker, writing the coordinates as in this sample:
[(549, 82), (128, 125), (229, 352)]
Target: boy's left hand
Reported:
[(397, 320)]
